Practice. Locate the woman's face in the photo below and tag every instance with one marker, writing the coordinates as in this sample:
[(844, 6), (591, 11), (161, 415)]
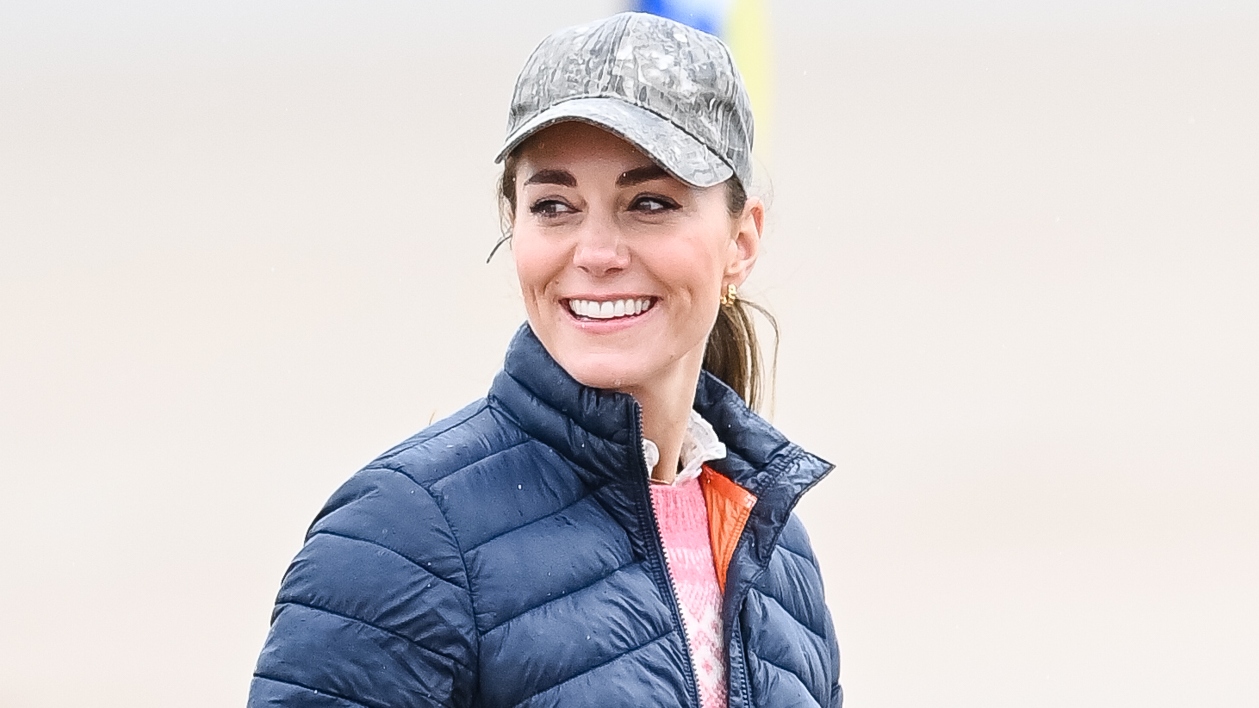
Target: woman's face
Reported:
[(622, 266)]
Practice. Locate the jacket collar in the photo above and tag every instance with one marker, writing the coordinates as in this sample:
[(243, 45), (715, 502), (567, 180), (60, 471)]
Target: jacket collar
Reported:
[(601, 429)]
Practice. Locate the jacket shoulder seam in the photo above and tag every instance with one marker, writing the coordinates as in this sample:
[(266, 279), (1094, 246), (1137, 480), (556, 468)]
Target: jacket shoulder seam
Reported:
[(463, 560)]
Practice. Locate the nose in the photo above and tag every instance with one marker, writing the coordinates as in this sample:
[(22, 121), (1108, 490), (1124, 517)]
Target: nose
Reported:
[(599, 249)]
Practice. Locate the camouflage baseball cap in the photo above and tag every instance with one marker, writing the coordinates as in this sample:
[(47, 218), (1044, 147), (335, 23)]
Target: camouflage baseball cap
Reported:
[(669, 89)]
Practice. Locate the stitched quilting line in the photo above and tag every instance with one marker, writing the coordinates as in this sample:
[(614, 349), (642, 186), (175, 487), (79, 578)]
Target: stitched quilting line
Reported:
[(804, 626), (412, 561), (548, 601), (453, 472), (385, 630), (478, 462), (540, 519), (463, 553), (789, 672), (764, 592), (463, 559), (811, 563), (441, 508), (802, 560), (334, 694), (578, 675), (487, 631)]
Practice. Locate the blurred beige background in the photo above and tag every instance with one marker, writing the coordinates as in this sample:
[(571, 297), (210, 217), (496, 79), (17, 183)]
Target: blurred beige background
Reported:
[(1013, 251)]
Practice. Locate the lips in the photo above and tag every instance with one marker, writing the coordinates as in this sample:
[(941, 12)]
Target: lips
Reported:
[(609, 309)]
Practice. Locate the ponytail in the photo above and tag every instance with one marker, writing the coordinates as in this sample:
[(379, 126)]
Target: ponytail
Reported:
[(733, 353)]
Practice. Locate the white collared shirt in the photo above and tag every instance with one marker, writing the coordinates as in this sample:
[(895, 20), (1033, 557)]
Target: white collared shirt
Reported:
[(699, 445)]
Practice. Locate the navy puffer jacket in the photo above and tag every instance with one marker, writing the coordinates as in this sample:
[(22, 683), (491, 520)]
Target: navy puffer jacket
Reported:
[(508, 556)]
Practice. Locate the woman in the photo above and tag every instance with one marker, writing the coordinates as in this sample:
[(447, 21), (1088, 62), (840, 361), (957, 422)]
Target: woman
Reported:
[(611, 525)]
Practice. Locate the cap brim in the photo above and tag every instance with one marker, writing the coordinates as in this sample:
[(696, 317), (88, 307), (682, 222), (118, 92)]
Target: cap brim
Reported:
[(669, 146)]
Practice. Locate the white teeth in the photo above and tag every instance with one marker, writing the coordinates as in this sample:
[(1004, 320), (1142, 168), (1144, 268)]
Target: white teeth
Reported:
[(609, 309)]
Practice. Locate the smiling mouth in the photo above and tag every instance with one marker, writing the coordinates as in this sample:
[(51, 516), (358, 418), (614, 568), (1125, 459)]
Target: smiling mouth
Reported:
[(610, 309)]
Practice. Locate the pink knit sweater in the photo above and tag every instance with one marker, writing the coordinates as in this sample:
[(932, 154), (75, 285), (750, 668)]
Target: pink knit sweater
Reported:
[(683, 521)]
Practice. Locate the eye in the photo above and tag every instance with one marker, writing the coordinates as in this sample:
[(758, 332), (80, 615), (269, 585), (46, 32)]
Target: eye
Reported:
[(653, 204), (550, 208)]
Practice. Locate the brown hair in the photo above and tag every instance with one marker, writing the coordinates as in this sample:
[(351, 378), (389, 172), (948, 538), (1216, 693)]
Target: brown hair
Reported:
[(733, 353)]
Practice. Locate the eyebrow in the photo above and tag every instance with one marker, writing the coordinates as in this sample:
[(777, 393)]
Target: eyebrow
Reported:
[(628, 178), (638, 175), (560, 177)]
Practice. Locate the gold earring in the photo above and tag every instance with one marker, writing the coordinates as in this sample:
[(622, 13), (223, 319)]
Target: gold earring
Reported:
[(732, 294)]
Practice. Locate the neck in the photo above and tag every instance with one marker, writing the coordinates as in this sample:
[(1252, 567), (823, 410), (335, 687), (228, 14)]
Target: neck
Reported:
[(666, 404)]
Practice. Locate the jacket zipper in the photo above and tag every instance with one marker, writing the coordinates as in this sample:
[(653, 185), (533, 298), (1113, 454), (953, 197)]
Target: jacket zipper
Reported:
[(734, 627), (738, 595), (691, 683), (736, 636)]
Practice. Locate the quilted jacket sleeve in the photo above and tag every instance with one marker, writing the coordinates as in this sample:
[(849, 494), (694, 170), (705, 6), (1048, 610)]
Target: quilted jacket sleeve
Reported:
[(375, 610), (794, 653)]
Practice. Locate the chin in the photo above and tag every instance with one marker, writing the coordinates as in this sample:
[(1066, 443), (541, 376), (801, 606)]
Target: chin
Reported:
[(607, 371)]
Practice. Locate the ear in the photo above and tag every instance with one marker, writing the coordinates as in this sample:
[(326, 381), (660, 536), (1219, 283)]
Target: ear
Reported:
[(745, 243)]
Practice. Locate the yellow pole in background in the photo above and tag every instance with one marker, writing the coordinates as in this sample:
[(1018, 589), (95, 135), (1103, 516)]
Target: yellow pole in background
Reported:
[(746, 30)]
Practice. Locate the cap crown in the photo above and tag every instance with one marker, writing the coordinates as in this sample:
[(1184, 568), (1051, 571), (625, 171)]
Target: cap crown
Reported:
[(678, 73)]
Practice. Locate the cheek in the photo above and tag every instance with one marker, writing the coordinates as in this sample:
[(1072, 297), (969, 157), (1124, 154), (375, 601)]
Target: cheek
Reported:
[(696, 269), (536, 265), (692, 274)]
